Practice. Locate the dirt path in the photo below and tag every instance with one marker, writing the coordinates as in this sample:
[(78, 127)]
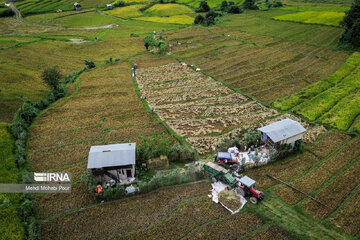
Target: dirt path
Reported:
[(17, 12)]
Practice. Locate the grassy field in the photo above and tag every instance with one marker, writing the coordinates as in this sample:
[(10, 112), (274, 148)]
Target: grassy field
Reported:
[(10, 222), (320, 17), (333, 101)]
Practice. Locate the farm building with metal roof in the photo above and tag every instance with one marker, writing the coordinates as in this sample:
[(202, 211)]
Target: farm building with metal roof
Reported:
[(113, 162), (285, 131)]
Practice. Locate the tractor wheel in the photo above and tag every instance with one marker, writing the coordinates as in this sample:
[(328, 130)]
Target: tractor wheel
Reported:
[(235, 167), (222, 165), (240, 191), (254, 200)]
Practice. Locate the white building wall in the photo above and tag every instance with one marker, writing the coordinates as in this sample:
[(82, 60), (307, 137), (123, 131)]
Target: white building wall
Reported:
[(292, 139)]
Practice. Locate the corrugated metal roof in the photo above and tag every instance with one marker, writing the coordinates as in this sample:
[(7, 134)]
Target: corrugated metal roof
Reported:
[(283, 129), (111, 155)]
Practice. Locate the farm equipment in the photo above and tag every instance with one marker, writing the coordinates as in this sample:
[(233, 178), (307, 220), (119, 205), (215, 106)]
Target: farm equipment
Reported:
[(220, 174), (225, 158), (246, 189), (243, 186)]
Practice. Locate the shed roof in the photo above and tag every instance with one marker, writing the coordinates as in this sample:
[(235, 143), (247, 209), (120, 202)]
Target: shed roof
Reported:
[(283, 129), (111, 155)]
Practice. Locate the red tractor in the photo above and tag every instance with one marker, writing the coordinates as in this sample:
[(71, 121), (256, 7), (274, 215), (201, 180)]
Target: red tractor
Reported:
[(245, 188)]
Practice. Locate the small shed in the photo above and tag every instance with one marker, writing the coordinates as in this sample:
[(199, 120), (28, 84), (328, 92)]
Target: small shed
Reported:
[(113, 162), (77, 6), (286, 131), (109, 6)]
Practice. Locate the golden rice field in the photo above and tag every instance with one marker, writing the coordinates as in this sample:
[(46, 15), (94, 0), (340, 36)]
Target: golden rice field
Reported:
[(175, 19), (168, 10), (126, 12)]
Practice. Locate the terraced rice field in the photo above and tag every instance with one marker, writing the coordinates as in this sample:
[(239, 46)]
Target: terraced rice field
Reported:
[(333, 101), (322, 173), (314, 17), (263, 67), (98, 112)]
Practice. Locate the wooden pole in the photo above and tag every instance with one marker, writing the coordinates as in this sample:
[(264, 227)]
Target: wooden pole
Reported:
[(299, 191)]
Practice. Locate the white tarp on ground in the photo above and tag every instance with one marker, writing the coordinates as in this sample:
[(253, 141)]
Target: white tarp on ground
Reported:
[(220, 186), (249, 157)]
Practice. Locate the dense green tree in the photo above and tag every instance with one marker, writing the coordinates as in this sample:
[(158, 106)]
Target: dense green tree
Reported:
[(204, 7), (250, 4), (51, 76), (234, 9), (199, 19), (224, 6), (351, 22)]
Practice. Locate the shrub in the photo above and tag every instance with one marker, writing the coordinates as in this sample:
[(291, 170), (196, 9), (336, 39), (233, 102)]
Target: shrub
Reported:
[(152, 147), (199, 19), (6, 12), (234, 9), (89, 64), (252, 137), (179, 153), (119, 4), (51, 76), (155, 42), (224, 6), (204, 7), (250, 4), (134, 35)]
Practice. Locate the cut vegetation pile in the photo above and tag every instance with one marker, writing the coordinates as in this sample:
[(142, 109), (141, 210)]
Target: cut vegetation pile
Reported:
[(196, 106)]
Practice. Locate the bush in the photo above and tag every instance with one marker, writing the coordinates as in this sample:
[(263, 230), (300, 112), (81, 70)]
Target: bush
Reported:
[(51, 76), (179, 153), (134, 35), (250, 4), (199, 19), (155, 42), (230, 142), (234, 9), (6, 12), (224, 6), (204, 7), (152, 147), (177, 176), (252, 137), (119, 4), (89, 64)]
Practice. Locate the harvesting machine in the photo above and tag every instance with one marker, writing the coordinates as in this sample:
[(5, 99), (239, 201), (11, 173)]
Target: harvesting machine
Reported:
[(243, 185)]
